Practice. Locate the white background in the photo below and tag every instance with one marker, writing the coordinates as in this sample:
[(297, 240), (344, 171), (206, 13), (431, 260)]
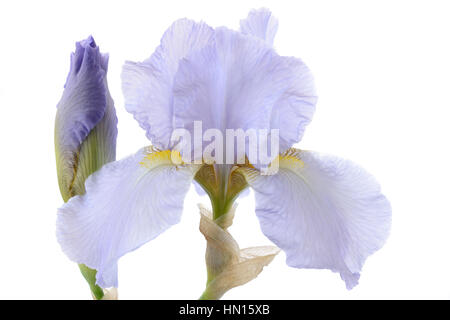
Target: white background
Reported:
[(382, 70)]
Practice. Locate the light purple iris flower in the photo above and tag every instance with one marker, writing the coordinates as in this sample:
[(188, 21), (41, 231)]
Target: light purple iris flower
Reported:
[(323, 211)]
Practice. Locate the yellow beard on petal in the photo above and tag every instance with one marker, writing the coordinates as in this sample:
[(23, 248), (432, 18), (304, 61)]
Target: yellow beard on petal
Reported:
[(155, 158), (290, 159)]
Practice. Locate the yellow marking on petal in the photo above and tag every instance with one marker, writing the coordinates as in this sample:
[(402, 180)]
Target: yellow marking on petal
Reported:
[(292, 162), (176, 157), (155, 158), (290, 159), (249, 172)]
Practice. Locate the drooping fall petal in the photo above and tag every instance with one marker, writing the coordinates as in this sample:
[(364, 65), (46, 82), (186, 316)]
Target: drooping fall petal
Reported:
[(323, 211), (127, 203)]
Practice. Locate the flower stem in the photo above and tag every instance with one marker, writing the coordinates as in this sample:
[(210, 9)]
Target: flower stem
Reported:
[(89, 275), (206, 295), (219, 204)]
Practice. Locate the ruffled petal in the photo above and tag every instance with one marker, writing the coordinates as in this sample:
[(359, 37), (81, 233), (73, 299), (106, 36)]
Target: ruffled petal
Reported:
[(147, 86), (224, 75), (260, 23), (323, 211), (127, 203), (230, 84), (238, 82), (295, 108)]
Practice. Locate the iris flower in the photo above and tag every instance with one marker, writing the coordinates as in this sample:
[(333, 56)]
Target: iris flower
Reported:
[(324, 212)]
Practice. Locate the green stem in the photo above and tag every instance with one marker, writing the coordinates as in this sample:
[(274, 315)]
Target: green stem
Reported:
[(206, 295), (89, 274), (219, 203)]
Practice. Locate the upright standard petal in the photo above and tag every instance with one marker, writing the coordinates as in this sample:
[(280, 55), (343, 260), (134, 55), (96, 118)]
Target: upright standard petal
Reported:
[(127, 203), (323, 211), (260, 23), (86, 123), (147, 86), (239, 82), (295, 108)]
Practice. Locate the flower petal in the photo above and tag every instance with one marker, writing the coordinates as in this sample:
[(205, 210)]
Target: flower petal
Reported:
[(232, 83), (323, 211), (294, 111), (295, 108), (238, 82), (260, 23), (127, 203), (147, 86)]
